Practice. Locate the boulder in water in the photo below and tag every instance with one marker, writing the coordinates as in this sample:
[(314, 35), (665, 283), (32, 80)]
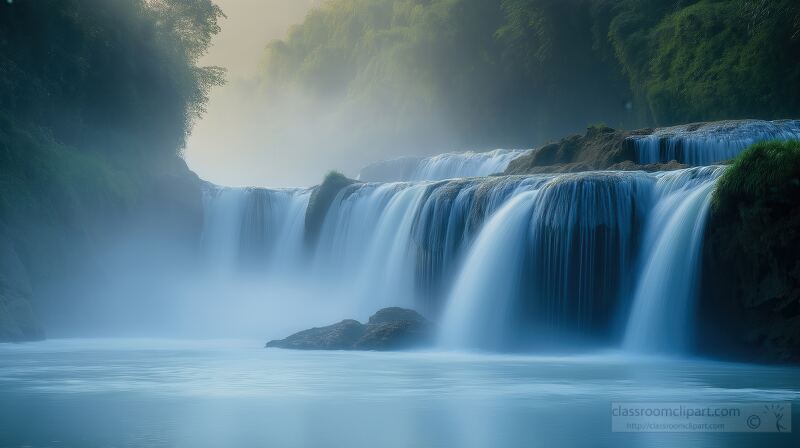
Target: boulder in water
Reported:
[(395, 334), (395, 314), (388, 329), (341, 336)]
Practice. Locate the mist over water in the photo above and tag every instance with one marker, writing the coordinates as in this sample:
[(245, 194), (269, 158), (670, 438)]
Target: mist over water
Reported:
[(501, 263), (608, 259), (495, 259), (440, 167)]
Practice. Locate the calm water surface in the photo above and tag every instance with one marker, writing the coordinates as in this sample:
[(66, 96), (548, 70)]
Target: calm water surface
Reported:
[(141, 393)]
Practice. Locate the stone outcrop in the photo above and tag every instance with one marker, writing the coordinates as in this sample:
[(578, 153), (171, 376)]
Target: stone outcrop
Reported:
[(320, 201), (388, 329), (600, 148)]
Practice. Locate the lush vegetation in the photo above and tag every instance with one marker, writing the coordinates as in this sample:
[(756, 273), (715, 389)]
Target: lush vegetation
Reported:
[(706, 60), (753, 272), (757, 203), (447, 71), (765, 174), (94, 95), (516, 72)]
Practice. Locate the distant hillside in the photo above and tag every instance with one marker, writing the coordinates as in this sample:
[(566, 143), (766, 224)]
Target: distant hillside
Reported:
[(453, 74)]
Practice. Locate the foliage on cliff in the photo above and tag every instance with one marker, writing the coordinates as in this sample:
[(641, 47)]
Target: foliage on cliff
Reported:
[(495, 73), (96, 100), (448, 72), (710, 59), (94, 94), (756, 210), (753, 242)]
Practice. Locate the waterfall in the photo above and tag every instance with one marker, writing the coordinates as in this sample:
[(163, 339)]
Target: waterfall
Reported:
[(495, 259), (493, 271), (365, 239), (246, 228), (709, 143), (556, 256), (222, 227), (440, 167), (668, 276)]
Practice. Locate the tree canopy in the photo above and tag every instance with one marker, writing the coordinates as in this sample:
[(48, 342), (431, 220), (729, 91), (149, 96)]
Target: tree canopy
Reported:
[(517, 72), (97, 72), (94, 94)]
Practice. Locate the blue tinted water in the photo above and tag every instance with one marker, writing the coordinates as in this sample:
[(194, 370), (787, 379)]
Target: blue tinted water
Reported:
[(135, 393)]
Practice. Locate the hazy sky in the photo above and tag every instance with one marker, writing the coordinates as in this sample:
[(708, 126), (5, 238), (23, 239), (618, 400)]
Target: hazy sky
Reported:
[(250, 25), (224, 147)]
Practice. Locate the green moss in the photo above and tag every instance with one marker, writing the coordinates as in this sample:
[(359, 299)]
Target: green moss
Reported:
[(753, 242), (765, 175)]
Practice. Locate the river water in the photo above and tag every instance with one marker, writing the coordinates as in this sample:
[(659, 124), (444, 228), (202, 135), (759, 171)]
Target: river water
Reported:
[(233, 393)]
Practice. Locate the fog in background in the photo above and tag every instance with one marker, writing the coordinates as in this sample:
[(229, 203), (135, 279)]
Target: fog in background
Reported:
[(361, 82), (236, 143)]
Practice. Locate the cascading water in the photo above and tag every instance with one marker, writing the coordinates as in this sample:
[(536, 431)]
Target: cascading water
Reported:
[(251, 227), (481, 302), (440, 167), (491, 258), (556, 257), (502, 260), (667, 280), (709, 143)]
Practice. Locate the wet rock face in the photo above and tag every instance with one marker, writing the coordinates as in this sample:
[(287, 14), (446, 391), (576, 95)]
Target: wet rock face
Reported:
[(319, 203), (388, 329), (600, 148)]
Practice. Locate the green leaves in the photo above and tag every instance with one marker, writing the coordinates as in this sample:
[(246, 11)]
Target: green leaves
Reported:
[(99, 72), (707, 60)]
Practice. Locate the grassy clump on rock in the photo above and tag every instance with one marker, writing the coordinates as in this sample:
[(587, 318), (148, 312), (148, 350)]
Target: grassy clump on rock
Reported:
[(753, 242), (760, 177)]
